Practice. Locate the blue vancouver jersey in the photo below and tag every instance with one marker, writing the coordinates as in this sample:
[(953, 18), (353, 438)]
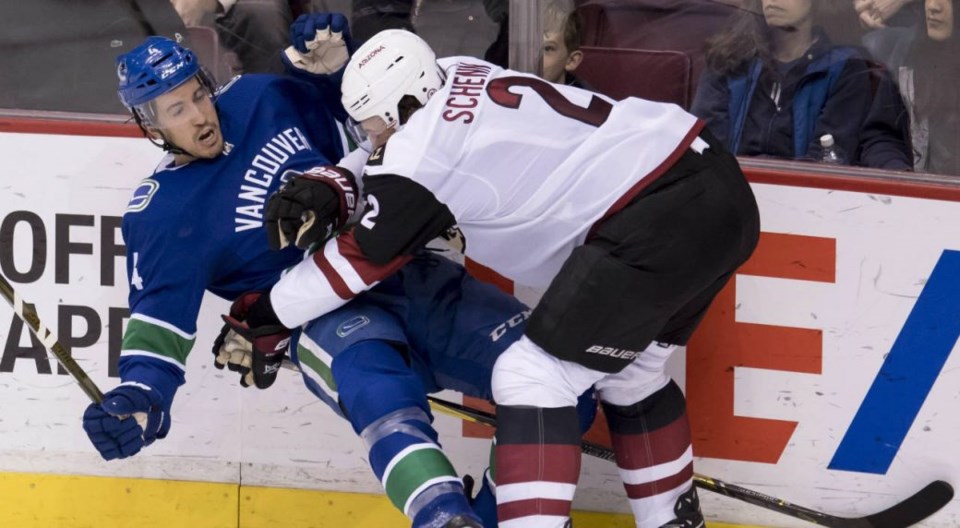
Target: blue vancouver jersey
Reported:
[(197, 226), (451, 327)]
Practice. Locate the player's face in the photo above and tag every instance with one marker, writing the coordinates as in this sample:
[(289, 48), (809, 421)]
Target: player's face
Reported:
[(377, 130), (188, 119), (787, 13), (554, 57), (939, 19)]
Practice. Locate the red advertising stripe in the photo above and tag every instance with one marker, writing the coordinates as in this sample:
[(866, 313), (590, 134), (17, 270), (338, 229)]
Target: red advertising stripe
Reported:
[(862, 184), (793, 257), (29, 125)]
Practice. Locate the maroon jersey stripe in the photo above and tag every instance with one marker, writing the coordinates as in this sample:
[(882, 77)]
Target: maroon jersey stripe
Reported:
[(368, 271), (519, 463), (638, 451), (334, 278), (529, 507), (649, 489)]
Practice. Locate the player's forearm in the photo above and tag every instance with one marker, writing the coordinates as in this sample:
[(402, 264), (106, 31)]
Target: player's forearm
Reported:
[(326, 281)]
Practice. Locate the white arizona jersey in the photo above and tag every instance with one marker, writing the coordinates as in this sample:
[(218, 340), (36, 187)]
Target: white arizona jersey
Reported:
[(523, 167)]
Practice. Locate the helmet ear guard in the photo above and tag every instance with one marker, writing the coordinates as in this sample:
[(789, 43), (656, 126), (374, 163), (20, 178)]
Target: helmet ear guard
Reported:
[(392, 65)]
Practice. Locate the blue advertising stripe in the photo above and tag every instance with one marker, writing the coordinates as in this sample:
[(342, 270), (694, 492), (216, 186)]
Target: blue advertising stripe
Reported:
[(907, 375)]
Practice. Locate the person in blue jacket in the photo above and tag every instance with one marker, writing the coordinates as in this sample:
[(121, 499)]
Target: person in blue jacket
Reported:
[(774, 84)]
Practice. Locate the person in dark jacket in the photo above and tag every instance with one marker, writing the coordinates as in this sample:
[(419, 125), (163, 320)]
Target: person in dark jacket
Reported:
[(929, 85), (885, 135), (775, 84)]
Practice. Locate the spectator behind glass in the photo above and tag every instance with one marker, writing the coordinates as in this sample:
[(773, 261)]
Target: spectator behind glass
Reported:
[(561, 43), (775, 84), (373, 16), (256, 30), (562, 34), (892, 25), (929, 85)]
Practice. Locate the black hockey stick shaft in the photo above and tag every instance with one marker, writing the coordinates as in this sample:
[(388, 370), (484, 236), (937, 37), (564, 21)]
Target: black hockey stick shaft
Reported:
[(28, 312), (908, 512)]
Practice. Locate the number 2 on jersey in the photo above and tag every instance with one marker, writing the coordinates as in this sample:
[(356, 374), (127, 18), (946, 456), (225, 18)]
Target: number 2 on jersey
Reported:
[(595, 114)]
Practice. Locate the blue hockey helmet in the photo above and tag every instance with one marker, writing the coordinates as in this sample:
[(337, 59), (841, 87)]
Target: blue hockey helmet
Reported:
[(153, 69)]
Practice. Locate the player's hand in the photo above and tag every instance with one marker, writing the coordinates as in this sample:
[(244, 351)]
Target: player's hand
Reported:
[(193, 12), (253, 342), (318, 43), (233, 351), (130, 417), (310, 207)]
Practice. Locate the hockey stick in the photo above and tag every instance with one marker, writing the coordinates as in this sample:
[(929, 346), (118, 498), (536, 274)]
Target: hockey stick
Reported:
[(28, 312), (907, 512)]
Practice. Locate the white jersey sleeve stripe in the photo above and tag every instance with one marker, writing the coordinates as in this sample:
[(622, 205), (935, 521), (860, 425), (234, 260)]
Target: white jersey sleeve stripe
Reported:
[(163, 324), (308, 290)]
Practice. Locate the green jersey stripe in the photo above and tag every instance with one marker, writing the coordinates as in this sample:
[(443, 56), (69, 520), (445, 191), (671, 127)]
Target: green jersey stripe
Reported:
[(312, 356), (144, 336), (411, 468)]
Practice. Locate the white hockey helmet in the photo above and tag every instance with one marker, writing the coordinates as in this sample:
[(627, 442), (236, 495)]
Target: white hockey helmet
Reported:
[(392, 64)]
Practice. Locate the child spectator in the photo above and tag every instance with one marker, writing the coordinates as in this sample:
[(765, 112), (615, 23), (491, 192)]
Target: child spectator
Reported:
[(561, 43)]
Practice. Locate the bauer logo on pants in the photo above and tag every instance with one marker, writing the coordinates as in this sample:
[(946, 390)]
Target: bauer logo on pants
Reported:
[(613, 352)]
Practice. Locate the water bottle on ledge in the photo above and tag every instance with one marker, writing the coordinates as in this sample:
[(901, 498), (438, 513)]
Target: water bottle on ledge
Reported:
[(830, 152)]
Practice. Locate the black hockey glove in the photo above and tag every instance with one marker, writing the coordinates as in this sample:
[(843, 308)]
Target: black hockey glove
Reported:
[(252, 341), (311, 207)]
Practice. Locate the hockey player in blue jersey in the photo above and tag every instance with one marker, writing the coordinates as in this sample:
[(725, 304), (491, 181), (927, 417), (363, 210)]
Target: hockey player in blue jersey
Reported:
[(194, 225)]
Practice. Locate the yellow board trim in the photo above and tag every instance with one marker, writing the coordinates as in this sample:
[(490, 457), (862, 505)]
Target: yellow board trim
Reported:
[(62, 501)]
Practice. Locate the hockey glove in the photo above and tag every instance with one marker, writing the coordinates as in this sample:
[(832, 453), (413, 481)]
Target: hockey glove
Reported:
[(319, 43), (252, 342), (311, 207), (130, 417)]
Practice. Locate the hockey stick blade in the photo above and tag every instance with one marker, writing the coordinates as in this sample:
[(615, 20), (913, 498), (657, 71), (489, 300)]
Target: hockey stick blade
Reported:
[(28, 313), (907, 512)]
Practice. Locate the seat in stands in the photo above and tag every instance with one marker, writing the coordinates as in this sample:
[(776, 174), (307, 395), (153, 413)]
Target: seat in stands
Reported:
[(650, 74), (220, 62)]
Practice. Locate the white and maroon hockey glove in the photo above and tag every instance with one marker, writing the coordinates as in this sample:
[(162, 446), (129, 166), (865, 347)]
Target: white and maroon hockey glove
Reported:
[(311, 207), (252, 341)]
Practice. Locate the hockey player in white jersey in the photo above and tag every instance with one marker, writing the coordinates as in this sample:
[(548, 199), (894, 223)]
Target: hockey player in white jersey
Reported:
[(629, 213)]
